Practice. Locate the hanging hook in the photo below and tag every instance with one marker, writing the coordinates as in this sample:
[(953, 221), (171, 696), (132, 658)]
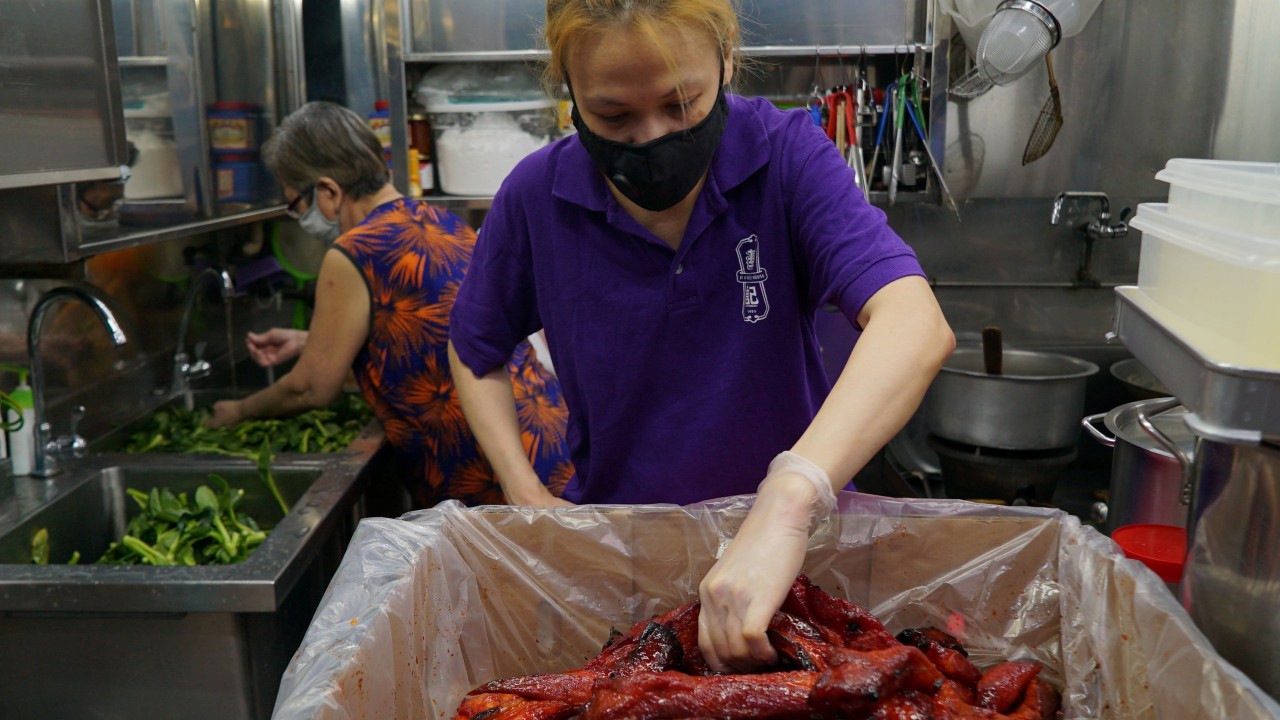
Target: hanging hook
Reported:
[(817, 71)]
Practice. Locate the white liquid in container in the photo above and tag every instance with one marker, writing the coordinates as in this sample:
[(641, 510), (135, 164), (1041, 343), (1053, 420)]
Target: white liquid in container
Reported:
[(1216, 289)]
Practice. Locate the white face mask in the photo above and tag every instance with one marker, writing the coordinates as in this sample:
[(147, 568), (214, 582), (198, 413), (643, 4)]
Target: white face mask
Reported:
[(317, 225)]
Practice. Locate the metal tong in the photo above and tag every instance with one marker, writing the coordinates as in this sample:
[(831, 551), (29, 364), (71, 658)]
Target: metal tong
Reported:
[(937, 171)]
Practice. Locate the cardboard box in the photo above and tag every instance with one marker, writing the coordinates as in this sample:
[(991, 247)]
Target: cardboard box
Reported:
[(428, 606)]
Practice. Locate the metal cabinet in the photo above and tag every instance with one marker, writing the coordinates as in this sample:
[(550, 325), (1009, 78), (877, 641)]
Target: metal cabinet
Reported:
[(60, 109), (791, 42), (157, 67)]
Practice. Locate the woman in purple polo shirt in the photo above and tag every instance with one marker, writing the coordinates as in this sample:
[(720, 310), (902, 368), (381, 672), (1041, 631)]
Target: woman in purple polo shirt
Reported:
[(676, 251)]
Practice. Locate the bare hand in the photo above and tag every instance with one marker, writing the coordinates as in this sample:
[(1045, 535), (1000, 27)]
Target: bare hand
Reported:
[(540, 498), (275, 346), (226, 413)]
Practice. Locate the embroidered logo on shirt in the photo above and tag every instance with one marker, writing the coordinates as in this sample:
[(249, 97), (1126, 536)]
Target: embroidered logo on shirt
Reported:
[(755, 303)]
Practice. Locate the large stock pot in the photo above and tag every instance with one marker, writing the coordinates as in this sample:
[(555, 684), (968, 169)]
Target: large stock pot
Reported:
[(1034, 403), (1150, 481)]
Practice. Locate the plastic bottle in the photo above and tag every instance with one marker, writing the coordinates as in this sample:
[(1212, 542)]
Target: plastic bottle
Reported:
[(420, 143), (22, 442), (380, 121)]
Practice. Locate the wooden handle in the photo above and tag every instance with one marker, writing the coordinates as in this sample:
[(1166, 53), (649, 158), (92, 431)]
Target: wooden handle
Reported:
[(992, 350)]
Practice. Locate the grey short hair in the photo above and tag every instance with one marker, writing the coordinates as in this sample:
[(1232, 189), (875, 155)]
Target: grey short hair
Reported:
[(325, 139)]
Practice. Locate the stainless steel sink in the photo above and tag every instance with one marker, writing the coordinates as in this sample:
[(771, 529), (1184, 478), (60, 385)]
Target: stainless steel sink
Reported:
[(113, 641), (94, 513), (87, 509)]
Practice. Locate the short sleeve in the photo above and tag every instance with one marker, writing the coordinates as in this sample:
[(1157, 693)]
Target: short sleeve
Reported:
[(495, 308), (844, 241)]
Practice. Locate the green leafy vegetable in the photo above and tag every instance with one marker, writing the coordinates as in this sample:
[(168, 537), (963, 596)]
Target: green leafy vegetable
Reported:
[(40, 547), (180, 430), (208, 528)]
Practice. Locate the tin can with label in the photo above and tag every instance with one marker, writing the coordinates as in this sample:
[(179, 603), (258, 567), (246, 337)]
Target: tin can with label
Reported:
[(233, 128)]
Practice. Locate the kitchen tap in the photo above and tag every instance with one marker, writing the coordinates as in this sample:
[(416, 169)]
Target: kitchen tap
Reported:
[(1099, 228), (47, 449), (184, 368)]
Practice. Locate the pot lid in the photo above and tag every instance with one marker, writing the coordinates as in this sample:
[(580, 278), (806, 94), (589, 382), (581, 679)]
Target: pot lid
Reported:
[(1020, 365), (1123, 423)]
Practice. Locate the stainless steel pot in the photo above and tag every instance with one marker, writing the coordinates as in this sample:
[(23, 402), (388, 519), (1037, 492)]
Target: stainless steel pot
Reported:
[(1034, 404), (1231, 586), (1149, 482)]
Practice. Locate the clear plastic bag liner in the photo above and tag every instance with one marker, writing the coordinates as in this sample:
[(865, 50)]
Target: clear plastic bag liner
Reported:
[(426, 607)]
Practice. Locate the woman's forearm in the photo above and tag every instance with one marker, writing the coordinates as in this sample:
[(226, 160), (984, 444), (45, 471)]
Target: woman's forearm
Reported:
[(287, 396), (489, 405), (901, 349)]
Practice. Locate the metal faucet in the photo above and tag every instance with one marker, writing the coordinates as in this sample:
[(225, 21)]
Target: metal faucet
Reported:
[(48, 451), (184, 369), (1099, 228)]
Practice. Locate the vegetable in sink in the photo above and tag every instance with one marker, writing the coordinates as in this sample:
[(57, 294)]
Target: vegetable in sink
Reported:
[(180, 430), (207, 528)]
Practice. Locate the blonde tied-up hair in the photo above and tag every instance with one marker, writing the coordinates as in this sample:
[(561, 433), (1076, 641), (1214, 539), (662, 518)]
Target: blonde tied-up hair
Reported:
[(568, 20)]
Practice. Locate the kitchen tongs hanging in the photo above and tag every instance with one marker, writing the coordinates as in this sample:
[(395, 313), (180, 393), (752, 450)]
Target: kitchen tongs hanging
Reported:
[(1048, 123)]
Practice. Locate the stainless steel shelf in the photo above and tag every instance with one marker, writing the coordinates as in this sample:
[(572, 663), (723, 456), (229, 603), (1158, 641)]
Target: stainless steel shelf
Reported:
[(832, 50), (478, 202), (478, 56), (756, 51), (172, 232), (143, 61), (463, 202), (1227, 402)]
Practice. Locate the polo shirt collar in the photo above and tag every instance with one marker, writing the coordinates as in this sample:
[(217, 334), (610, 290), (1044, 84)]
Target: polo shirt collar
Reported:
[(744, 149)]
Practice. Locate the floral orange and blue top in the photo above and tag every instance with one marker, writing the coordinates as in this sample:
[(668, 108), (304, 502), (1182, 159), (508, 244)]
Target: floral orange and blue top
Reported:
[(413, 256)]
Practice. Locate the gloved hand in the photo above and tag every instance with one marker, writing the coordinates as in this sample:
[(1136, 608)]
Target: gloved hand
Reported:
[(275, 346), (747, 585)]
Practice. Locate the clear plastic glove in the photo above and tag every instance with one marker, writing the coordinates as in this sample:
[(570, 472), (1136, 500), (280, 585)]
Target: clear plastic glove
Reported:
[(275, 346), (747, 585)]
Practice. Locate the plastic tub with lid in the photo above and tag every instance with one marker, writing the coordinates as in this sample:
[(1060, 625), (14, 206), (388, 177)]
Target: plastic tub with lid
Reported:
[(484, 118), (1242, 196), (1217, 288)]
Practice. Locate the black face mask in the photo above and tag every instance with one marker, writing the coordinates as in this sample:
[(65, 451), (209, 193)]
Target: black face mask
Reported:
[(660, 173)]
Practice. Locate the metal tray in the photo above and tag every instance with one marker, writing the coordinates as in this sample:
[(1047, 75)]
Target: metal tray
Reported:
[(1227, 402)]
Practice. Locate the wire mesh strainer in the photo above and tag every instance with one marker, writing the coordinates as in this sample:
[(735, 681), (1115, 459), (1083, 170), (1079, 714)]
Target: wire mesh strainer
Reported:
[(970, 85), (1048, 123), (1020, 33)]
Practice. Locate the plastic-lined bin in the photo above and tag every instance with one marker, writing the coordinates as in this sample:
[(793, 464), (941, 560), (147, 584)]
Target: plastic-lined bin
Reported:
[(1220, 289), (1242, 196), (484, 118), (427, 606)]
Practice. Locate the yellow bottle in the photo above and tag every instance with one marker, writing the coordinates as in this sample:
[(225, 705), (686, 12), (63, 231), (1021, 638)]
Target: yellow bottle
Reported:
[(415, 183)]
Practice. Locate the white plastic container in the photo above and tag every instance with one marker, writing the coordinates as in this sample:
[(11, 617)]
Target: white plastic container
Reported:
[(1218, 289), (477, 147), (1243, 196), (485, 118)]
